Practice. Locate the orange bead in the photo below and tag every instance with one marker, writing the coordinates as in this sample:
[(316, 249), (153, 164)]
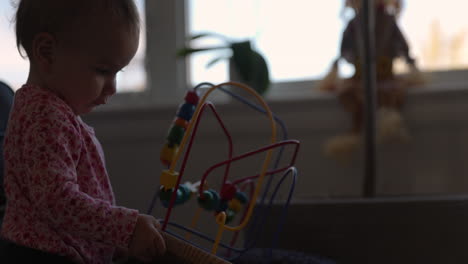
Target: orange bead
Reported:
[(235, 205), (181, 122)]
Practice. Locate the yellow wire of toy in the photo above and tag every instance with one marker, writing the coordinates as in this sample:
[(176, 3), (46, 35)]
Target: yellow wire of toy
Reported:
[(221, 220)]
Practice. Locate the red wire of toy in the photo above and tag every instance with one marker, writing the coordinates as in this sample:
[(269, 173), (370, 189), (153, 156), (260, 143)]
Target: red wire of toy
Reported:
[(282, 143)]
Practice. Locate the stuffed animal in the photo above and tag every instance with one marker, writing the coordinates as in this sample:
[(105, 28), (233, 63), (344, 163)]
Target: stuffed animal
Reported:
[(391, 89)]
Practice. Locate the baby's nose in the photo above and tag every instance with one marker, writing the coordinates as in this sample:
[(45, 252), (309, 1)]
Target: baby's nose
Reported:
[(110, 87)]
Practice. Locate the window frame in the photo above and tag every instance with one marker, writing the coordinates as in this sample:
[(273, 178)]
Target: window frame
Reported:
[(165, 34)]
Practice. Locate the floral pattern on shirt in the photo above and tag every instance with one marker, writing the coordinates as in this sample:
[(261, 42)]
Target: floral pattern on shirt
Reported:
[(59, 197)]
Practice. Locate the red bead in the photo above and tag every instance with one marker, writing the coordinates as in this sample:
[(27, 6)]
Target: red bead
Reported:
[(228, 191), (192, 97)]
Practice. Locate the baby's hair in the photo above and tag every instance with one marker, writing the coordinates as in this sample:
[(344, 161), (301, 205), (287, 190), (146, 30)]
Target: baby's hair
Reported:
[(58, 16)]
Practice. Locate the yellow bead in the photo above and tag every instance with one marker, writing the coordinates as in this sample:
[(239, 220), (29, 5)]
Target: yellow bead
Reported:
[(235, 205), (168, 154), (168, 179)]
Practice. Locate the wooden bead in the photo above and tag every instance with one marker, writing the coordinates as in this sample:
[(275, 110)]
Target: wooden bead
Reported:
[(228, 191), (230, 216), (165, 194), (168, 179), (176, 133), (209, 200), (235, 205), (191, 97), (181, 122), (186, 111), (185, 193), (168, 153), (242, 197), (223, 206)]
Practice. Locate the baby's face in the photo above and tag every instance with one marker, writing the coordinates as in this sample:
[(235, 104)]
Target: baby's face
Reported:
[(87, 61)]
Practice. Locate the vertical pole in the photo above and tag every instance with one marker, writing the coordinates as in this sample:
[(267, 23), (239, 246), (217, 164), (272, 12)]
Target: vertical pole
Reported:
[(370, 91), (166, 21)]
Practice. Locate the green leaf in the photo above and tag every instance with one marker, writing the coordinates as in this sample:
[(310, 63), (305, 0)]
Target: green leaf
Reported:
[(260, 79), (251, 66), (209, 34), (242, 58), (215, 60), (187, 51), (201, 35)]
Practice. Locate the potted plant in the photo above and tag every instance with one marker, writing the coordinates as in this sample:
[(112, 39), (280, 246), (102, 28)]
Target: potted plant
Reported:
[(245, 64)]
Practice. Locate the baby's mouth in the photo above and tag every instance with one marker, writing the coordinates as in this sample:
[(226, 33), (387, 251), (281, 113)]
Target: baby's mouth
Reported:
[(101, 101)]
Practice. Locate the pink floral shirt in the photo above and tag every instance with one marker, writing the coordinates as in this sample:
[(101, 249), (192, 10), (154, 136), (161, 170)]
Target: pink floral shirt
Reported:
[(60, 199)]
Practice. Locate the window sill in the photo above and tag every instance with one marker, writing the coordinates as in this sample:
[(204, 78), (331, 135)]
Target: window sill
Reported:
[(448, 82)]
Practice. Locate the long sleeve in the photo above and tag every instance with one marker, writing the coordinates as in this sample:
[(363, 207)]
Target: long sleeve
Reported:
[(54, 148), (59, 195)]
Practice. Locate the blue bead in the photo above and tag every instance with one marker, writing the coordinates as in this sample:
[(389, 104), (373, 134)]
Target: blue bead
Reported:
[(186, 111), (242, 197), (223, 205)]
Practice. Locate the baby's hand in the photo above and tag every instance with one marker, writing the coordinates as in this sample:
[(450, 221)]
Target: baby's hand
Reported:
[(146, 242)]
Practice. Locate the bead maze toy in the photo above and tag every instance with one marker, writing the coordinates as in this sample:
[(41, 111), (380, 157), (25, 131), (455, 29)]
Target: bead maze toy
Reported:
[(234, 198)]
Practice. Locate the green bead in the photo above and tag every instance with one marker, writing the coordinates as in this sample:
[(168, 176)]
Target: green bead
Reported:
[(186, 192), (209, 200), (165, 195), (176, 133), (230, 216), (179, 197), (183, 195)]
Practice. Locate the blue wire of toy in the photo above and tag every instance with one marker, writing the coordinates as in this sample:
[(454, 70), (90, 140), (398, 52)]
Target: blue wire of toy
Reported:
[(283, 214), (153, 203), (282, 221)]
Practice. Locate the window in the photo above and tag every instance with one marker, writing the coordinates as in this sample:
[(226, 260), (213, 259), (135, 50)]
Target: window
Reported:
[(14, 69), (133, 78), (288, 34), (301, 38), (438, 35)]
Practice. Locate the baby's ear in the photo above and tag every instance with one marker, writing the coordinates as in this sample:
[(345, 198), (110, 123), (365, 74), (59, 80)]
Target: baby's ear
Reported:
[(43, 49)]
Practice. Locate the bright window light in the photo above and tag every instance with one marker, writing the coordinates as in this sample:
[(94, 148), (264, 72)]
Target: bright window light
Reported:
[(301, 38)]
